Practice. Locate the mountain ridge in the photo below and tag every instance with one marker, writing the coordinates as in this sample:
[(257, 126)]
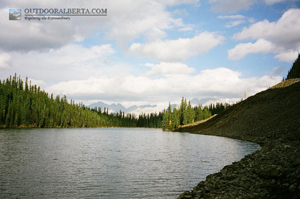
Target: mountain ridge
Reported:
[(117, 107)]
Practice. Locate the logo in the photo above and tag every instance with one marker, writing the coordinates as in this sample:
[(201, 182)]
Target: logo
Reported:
[(14, 14)]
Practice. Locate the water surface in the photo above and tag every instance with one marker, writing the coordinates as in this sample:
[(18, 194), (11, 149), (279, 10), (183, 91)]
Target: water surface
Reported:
[(110, 162)]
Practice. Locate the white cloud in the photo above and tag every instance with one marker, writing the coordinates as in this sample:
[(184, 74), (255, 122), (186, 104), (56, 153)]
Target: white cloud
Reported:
[(126, 21), (219, 82), (131, 19), (165, 68), (4, 60), (25, 35), (187, 27), (284, 32), (37, 82), (68, 62), (234, 23), (241, 50), (281, 37), (230, 6), (289, 56), (149, 110), (78, 72), (76, 55), (177, 50), (231, 17), (271, 2), (147, 18), (235, 20), (50, 59), (251, 20)]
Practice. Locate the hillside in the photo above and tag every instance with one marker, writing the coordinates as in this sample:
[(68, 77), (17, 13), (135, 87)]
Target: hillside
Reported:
[(272, 119)]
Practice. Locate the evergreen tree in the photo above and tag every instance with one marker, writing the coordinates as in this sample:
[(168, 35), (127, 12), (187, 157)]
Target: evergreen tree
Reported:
[(183, 111), (190, 115), (26, 105), (199, 113)]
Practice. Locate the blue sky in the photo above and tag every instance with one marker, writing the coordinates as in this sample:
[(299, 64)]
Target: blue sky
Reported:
[(149, 52)]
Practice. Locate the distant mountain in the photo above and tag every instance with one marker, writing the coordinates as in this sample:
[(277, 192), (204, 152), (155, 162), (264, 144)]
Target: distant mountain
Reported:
[(204, 101), (114, 108)]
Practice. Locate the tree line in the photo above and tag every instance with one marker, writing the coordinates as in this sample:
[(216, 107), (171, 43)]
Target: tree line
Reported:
[(186, 114), (26, 105), (120, 119)]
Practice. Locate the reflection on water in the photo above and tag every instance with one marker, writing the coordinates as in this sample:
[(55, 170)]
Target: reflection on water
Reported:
[(109, 162)]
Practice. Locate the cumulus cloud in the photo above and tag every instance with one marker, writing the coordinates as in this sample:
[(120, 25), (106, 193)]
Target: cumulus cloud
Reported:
[(25, 35), (75, 55), (46, 52), (284, 32), (146, 18), (37, 82), (126, 20), (4, 60), (68, 62), (289, 56), (177, 50), (241, 50), (165, 68), (230, 6), (131, 19), (219, 82), (281, 37), (83, 77)]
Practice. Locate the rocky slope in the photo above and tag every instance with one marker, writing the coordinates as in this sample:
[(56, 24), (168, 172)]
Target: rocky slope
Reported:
[(272, 119)]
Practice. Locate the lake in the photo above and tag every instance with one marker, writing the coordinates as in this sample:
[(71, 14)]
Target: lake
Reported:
[(110, 162)]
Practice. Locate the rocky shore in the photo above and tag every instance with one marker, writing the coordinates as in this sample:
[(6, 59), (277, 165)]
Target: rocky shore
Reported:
[(272, 119)]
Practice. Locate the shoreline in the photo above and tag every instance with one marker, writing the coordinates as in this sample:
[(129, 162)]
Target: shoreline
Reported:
[(38, 127), (258, 175), (272, 120)]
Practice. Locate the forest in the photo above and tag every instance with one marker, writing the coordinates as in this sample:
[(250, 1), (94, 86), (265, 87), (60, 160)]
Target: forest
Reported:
[(24, 105), (186, 114)]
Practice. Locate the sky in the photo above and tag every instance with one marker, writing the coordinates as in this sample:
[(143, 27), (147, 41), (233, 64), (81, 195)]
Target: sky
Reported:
[(151, 51)]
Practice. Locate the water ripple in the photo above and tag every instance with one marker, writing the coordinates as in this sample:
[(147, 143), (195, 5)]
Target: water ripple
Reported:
[(109, 162)]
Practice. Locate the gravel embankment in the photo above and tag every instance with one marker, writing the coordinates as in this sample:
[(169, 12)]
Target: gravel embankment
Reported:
[(272, 119)]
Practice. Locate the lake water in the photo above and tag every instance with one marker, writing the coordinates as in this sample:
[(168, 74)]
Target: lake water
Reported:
[(110, 162)]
